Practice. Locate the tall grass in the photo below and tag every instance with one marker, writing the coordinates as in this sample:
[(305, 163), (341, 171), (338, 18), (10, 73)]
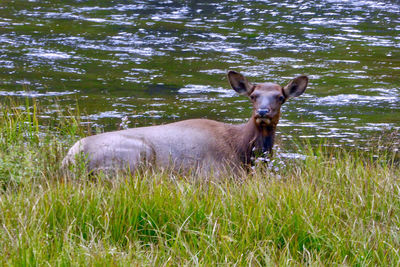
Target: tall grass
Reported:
[(336, 207)]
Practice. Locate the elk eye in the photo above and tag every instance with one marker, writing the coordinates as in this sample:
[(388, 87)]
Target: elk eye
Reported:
[(253, 97), (281, 98)]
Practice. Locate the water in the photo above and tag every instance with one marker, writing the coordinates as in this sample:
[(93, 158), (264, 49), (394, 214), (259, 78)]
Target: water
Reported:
[(150, 62)]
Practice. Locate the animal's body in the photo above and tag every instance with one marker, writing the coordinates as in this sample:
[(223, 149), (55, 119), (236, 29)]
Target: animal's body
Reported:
[(199, 144)]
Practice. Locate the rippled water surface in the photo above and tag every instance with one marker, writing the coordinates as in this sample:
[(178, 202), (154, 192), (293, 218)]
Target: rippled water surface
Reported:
[(162, 61)]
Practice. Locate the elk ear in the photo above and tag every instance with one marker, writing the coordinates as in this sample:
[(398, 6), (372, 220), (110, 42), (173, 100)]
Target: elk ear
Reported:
[(239, 83), (296, 87)]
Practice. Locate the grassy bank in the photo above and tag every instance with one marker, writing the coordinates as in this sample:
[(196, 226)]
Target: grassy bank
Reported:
[(335, 207)]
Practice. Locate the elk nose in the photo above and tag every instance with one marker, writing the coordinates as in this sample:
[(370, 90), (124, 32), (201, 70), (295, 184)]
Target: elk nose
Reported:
[(263, 112)]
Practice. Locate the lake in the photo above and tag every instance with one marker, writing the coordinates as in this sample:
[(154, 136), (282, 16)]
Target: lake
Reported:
[(153, 62)]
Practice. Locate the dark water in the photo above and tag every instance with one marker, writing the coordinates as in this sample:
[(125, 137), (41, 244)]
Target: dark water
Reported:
[(161, 61)]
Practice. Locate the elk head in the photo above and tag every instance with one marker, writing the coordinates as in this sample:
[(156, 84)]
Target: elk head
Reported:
[(267, 99)]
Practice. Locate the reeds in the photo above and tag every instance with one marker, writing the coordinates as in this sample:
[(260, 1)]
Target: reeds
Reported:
[(336, 207)]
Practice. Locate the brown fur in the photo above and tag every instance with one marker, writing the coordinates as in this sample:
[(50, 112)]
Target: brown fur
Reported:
[(205, 145)]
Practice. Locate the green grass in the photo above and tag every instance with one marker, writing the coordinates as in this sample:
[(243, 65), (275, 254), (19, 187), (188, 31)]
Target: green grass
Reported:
[(337, 207)]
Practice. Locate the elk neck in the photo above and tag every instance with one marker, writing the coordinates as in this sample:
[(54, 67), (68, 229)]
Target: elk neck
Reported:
[(250, 135)]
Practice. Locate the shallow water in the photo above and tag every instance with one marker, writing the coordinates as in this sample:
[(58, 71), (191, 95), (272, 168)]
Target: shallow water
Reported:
[(161, 61)]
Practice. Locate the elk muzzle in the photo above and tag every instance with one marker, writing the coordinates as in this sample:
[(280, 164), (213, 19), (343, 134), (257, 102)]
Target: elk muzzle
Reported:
[(263, 116)]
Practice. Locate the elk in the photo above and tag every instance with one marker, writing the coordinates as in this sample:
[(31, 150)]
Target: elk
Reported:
[(198, 144)]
